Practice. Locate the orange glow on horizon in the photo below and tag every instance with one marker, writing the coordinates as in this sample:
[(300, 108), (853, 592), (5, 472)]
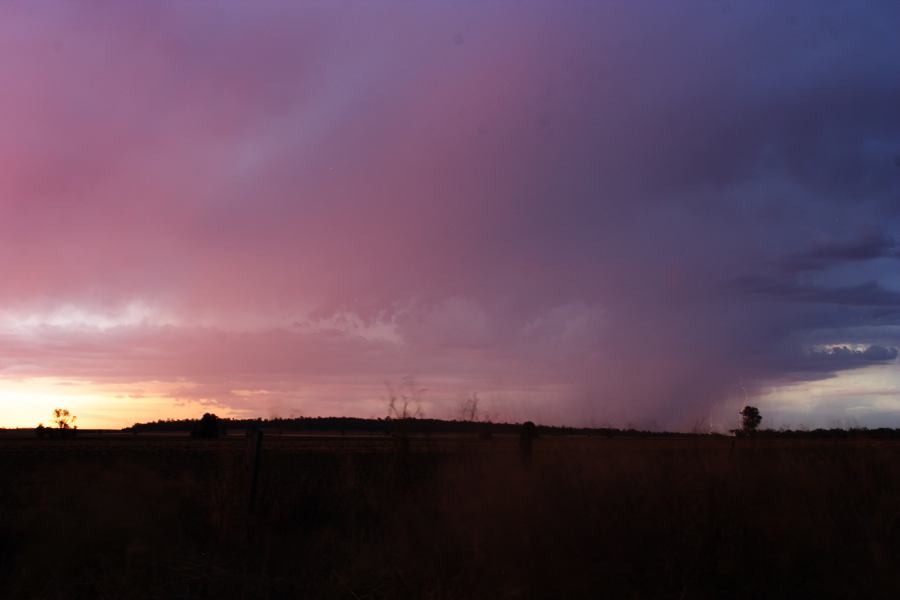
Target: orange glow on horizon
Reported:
[(25, 403)]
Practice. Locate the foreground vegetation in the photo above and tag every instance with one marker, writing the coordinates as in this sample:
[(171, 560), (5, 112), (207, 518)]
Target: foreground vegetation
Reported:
[(451, 516)]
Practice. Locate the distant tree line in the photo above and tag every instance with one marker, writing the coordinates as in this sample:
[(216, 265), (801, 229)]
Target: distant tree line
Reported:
[(437, 426), (879, 433), (376, 426)]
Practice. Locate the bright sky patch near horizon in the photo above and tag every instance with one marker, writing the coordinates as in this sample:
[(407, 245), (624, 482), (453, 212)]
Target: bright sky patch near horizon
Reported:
[(644, 213)]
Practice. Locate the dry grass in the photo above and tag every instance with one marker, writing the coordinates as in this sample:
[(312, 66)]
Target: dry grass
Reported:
[(455, 518)]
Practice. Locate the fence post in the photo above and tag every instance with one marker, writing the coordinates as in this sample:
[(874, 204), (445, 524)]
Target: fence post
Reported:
[(251, 460), (526, 440)]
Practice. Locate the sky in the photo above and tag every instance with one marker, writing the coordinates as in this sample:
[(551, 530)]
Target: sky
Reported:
[(626, 213)]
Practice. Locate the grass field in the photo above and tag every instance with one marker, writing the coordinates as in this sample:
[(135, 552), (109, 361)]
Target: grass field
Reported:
[(453, 517)]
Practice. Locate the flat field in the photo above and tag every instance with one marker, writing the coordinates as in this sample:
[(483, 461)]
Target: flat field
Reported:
[(140, 516)]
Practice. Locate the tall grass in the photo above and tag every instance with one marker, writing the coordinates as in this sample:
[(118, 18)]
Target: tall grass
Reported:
[(653, 518)]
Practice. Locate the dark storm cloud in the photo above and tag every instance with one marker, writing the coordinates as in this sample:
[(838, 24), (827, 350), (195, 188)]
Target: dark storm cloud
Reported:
[(870, 293), (873, 245)]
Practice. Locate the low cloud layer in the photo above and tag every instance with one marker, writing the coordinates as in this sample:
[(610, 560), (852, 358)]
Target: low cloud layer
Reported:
[(602, 212)]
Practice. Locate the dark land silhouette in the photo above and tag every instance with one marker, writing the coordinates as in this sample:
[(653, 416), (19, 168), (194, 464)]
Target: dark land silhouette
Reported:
[(378, 426), (418, 508)]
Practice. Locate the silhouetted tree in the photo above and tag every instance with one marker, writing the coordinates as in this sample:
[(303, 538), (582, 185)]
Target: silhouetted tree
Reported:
[(404, 406), (750, 419), (64, 419), (468, 409), (208, 427), (65, 425), (404, 403), (469, 413)]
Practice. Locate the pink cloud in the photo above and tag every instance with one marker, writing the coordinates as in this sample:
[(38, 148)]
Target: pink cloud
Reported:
[(306, 200)]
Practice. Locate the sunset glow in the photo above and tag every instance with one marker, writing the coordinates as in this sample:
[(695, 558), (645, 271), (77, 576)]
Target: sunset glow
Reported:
[(28, 402)]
